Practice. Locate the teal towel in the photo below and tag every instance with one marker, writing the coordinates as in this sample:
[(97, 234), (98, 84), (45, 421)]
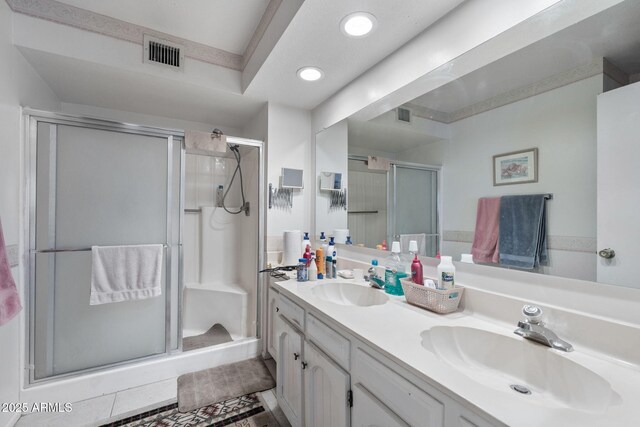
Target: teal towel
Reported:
[(523, 240)]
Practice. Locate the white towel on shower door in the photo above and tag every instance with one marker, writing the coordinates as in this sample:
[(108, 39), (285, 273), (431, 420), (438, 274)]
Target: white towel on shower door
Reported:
[(123, 273)]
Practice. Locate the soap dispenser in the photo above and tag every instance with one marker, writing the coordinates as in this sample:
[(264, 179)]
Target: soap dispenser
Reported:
[(394, 270)]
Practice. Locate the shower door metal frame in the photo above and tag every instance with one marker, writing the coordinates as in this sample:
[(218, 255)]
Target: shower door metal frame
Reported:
[(392, 203), (261, 222), (31, 118)]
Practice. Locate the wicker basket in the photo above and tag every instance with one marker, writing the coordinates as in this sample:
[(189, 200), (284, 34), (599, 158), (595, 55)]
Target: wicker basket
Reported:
[(436, 300)]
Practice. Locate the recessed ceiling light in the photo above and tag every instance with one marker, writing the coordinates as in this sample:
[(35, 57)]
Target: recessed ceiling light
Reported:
[(310, 74), (358, 24)]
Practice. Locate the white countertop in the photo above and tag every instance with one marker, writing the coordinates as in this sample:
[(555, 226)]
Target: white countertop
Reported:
[(395, 330)]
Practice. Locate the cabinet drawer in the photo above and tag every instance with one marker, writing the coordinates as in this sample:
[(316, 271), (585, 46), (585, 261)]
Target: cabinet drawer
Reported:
[(405, 399), (291, 311), (331, 342)]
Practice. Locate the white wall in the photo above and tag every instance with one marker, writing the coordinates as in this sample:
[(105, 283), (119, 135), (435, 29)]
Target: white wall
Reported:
[(331, 156), (19, 85), (562, 125), (289, 146)]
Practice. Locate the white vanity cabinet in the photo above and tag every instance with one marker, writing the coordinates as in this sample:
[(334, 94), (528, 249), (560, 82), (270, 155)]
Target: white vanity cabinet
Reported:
[(289, 377), (312, 388), (327, 390), (368, 411), (329, 378), (272, 316)]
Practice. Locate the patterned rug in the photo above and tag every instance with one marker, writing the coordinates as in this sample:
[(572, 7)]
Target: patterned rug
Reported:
[(244, 411)]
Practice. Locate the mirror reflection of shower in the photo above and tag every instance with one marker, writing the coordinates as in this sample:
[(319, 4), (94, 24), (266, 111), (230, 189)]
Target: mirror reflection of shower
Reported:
[(221, 183)]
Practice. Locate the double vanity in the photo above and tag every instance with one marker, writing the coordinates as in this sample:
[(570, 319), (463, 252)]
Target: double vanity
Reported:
[(348, 354)]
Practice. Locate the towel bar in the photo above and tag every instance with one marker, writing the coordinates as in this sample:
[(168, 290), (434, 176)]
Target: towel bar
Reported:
[(48, 251)]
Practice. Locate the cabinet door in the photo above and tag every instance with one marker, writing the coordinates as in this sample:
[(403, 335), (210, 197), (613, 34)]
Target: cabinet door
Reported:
[(370, 412), (327, 390), (289, 381), (272, 323)]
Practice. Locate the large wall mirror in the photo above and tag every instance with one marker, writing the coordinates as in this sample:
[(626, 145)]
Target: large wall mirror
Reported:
[(569, 96)]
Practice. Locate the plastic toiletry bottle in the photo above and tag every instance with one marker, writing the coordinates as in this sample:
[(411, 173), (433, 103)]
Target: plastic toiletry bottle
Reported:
[(325, 245), (323, 239), (320, 263), (384, 245), (307, 255), (332, 249), (394, 270), (329, 267), (416, 271), (348, 242), (305, 241), (313, 269), (446, 273), (302, 272)]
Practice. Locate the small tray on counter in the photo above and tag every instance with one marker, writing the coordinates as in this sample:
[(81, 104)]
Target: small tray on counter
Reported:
[(441, 301)]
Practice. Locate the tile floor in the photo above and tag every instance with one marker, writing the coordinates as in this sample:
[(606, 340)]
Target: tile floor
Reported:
[(117, 406)]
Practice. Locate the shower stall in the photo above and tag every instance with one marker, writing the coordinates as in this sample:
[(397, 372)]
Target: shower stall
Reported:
[(93, 182), (396, 204)]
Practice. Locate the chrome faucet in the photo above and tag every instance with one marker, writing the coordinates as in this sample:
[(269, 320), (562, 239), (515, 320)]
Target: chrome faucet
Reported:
[(533, 329), (375, 281)]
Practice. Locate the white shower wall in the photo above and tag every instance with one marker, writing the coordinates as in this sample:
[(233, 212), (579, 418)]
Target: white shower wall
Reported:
[(232, 248)]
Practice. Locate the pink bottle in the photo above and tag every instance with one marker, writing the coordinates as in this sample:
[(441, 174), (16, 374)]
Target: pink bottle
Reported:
[(307, 255), (416, 271)]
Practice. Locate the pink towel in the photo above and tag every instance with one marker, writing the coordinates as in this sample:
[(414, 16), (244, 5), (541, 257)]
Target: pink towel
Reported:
[(485, 240), (9, 298)]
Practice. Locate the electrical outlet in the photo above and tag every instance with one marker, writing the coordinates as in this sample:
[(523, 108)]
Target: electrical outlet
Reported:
[(12, 255)]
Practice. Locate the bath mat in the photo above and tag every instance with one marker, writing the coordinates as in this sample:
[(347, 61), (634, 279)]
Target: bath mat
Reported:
[(202, 388), (243, 411), (217, 334)]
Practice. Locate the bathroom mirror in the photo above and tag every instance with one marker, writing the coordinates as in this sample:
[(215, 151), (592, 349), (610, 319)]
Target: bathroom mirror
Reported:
[(544, 96), (291, 178), (330, 181)]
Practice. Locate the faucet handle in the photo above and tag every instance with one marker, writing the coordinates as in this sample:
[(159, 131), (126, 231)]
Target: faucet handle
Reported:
[(532, 313)]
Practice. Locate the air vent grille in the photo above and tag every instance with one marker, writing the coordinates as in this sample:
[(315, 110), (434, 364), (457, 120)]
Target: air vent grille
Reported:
[(161, 52), (404, 114)]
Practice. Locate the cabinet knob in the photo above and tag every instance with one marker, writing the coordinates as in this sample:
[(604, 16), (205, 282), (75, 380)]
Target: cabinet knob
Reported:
[(277, 309), (304, 365), (607, 253), (295, 356)]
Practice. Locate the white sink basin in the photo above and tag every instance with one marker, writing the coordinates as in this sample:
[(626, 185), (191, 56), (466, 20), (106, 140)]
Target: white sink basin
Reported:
[(500, 361), (349, 294)]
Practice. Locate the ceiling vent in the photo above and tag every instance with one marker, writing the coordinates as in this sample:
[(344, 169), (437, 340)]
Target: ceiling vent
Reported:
[(163, 52), (403, 115)]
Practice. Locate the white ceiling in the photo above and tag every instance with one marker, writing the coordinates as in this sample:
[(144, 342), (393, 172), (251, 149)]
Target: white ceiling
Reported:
[(382, 137), (314, 38), (82, 82), (223, 24), (613, 34)]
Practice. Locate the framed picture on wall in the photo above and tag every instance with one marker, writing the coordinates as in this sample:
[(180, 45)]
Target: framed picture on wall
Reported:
[(517, 167)]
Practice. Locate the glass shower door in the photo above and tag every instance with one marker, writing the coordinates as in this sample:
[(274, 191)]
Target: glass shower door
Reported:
[(97, 187), (414, 194)]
